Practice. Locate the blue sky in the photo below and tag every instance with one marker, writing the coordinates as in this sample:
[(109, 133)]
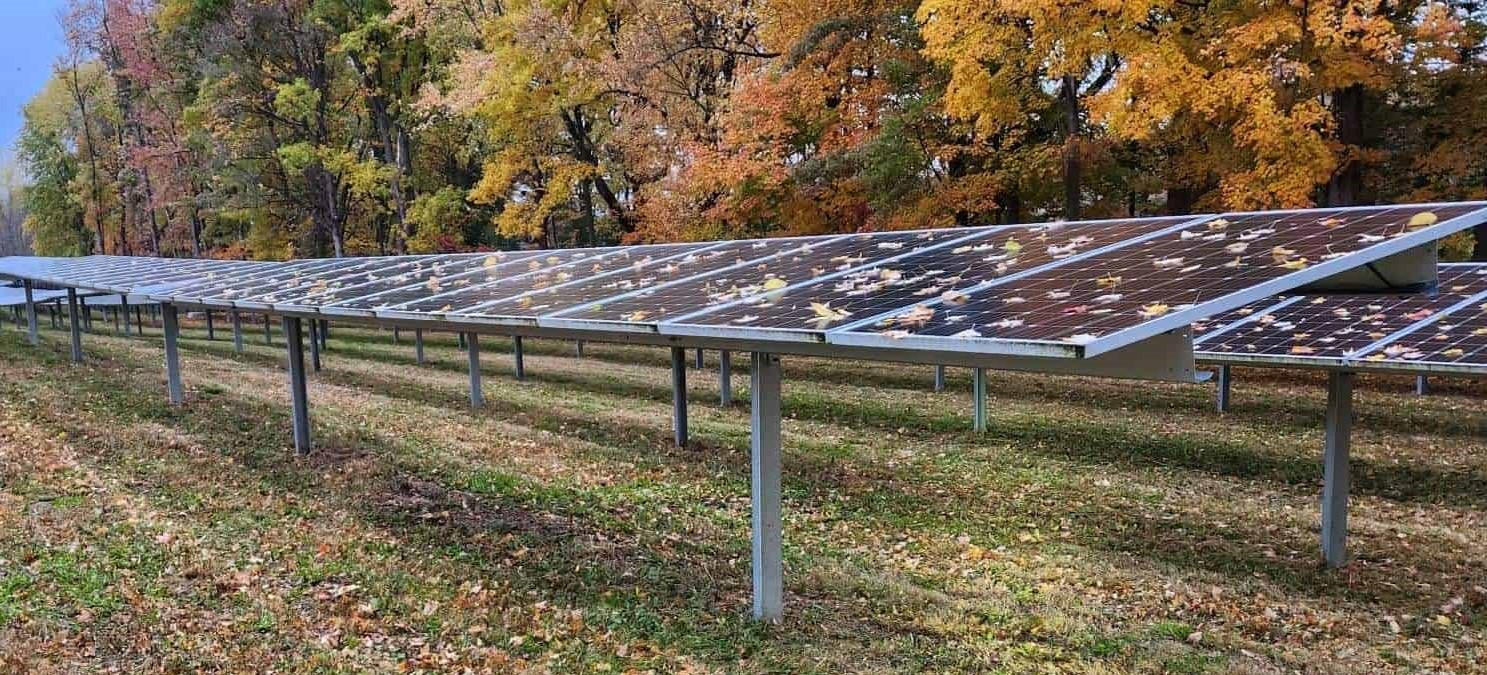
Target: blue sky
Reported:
[(32, 42)]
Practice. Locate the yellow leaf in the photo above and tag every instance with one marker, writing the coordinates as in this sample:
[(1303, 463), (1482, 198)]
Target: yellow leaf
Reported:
[(1154, 310), (1012, 247), (774, 284), (1108, 281), (1423, 219)]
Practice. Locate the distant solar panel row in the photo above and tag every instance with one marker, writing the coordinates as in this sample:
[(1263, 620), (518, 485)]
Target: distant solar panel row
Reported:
[(1406, 332), (1059, 289)]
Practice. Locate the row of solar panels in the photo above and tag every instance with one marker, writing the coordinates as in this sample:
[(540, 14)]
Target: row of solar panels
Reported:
[(1445, 332), (1062, 289)]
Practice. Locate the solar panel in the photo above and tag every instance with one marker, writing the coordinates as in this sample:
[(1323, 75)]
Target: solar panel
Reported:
[(332, 281), (941, 272), (411, 274), (208, 288), (430, 284), (544, 273), (804, 261), (1454, 336), (636, 278), (1337, 327), (292, 277), (1160, 283)]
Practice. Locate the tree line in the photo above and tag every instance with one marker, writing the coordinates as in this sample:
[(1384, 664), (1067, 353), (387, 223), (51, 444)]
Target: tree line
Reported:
[(276, 128)]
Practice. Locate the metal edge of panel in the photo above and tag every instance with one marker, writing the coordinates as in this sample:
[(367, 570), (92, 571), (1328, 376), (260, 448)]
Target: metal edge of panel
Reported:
[(988, 346), (740, 332), (1427, 236), (557, 322), (1386, 367)]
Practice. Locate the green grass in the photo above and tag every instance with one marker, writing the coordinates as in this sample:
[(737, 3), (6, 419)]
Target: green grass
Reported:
[(1096, 527)]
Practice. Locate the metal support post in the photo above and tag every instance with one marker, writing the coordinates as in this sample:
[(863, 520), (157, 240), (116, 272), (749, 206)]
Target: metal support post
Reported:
[(397, 335), (699, 359), (31, 333), (939, 379), (315, 345), (268, 331), (472, 352), (978, 393), (418, 345), (299, 389), (1226, 380), (1336, 474), (237, 332), (172, 331), (1422, 385), (679, 396), (74, 323), (516, 353), (579, 349), (211, 328), (325, 334), (725, 377), (139, 321), (768, 562), (124, 308)]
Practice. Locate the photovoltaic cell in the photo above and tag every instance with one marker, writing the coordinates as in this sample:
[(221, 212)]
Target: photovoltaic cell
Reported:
[(1124, 288), (1336, 327), (947, 271), (547, 271), (800, 263), (331, 282), (642, 275)]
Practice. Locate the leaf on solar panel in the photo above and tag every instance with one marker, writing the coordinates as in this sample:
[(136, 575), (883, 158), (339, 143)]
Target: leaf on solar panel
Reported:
[(826, 315), (915, 317), (1153, 310), (954, 298)]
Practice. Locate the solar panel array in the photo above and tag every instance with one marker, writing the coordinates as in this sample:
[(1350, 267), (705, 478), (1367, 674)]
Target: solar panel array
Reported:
[(1060, 289)]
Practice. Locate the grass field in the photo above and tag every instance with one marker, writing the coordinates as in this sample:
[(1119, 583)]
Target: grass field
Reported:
[(1099, 526)]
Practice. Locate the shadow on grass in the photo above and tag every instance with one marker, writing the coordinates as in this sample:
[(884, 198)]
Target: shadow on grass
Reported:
[(1069, 439)]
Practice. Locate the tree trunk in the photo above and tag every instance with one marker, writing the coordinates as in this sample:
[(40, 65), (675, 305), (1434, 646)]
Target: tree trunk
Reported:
[(1180, 200), (1072, 164), (1345, 188)]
